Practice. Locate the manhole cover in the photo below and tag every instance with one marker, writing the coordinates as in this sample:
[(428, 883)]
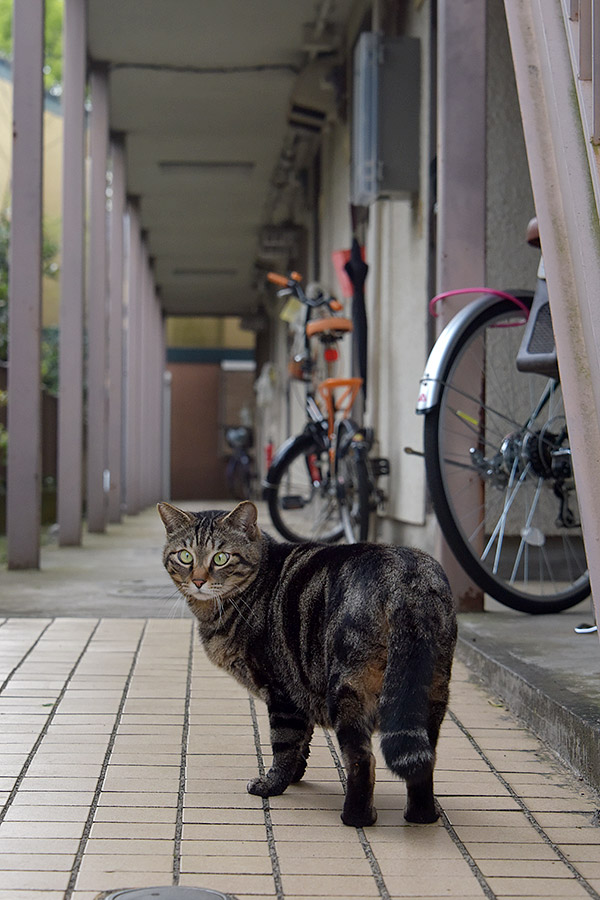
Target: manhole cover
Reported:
[(165, 893)]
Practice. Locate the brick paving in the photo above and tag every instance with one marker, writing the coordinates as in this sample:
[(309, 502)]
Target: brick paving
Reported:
[(124, 756), (123, 761)]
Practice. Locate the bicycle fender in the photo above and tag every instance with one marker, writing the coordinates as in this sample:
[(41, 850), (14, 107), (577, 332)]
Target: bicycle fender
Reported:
[(430, 383), (306, 439)]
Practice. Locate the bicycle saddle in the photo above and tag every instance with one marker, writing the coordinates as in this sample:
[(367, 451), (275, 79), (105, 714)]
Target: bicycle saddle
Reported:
[(333, 326), (533, 233)]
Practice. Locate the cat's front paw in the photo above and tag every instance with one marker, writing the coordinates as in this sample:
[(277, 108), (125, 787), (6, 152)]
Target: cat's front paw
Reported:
[(258, 786), (300, 770), (265, 787)]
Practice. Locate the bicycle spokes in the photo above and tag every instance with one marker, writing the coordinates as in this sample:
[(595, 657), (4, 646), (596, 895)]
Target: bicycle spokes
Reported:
[(500, 474)]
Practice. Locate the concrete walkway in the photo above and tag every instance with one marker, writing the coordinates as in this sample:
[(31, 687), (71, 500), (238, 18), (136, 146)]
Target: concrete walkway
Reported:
[(124, 756)]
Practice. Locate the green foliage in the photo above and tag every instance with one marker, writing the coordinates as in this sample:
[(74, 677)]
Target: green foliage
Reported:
[(3, 431), (49, 348), (54, 36), (4, 245), (50, 360), (53, 39)]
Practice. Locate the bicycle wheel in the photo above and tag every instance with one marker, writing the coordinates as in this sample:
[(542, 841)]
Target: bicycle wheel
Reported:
[(499, 471), (354, 496), (300, 494)]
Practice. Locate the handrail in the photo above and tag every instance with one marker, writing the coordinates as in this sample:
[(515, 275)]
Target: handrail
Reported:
[(550, 45), (582, 21)]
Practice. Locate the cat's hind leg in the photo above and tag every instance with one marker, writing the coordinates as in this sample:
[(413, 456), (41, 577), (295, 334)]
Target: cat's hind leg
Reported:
[(291, 732), (412, 706), (420, 806), (304, 754), (354, 728)]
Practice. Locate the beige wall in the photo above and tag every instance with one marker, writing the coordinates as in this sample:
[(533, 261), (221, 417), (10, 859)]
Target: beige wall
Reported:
[(205, 331)]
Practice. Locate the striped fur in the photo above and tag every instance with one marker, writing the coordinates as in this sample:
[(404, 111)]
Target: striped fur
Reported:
[(357, 638)]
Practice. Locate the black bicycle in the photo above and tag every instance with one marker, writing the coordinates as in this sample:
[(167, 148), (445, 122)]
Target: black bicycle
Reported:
[(322, 484), (497, 451)]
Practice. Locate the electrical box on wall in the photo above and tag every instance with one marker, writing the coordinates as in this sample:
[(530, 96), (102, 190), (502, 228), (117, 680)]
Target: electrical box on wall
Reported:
[(386, 116)]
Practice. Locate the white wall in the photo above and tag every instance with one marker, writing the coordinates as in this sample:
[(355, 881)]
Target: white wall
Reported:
[(396, 297), (336, 229), (396, 302)]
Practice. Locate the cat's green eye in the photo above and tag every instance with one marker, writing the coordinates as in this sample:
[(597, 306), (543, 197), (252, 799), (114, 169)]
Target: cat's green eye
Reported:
[(220, 558), (185, 557)]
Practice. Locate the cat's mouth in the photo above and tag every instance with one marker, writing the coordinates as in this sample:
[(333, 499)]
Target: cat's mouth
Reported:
[(197, 593), (204, 593)]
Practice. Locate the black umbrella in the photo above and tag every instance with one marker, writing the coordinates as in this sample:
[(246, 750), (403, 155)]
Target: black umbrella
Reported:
[(356, 269)]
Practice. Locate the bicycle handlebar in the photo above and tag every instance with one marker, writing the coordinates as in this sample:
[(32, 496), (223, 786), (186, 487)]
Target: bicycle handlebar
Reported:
[(280, 280), (292, 284)]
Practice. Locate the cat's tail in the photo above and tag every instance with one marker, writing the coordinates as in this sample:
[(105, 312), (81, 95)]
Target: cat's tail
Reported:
[(404, 702)]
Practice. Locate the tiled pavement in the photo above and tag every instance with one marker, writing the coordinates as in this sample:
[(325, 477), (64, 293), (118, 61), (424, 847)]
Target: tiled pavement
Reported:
[(124, 756)]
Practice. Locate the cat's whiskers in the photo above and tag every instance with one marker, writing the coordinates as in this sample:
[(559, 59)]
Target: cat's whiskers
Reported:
[(175, 604), (219, 603), (218, 598), (250, 609), (221, 592), (240, 613), (178, 607), (170, 602)]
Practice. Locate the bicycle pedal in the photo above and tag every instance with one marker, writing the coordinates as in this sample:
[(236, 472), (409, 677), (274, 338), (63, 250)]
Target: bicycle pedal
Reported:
[(380, 465)]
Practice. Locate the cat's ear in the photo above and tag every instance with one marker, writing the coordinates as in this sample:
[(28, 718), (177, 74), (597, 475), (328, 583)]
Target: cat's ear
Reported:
[(244, 517), (174, 519)]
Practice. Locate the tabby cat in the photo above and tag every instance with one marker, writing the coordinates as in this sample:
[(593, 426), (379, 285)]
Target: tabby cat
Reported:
[(356, 637)]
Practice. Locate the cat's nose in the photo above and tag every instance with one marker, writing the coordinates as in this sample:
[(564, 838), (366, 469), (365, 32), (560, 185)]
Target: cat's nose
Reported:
[(199, 582)]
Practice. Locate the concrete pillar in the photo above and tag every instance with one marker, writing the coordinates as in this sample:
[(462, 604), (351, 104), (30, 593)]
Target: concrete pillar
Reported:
[(115, 329), (24, 402), (160, 400), (461, 147), (157, 404), (461, 183), (165, 485), (144, 367), (145, 382), (97, 430), (70, 410), (152, 380), (132, 440)]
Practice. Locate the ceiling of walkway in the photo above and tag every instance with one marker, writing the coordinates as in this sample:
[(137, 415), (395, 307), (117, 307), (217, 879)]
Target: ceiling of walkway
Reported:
[(214, 98)]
